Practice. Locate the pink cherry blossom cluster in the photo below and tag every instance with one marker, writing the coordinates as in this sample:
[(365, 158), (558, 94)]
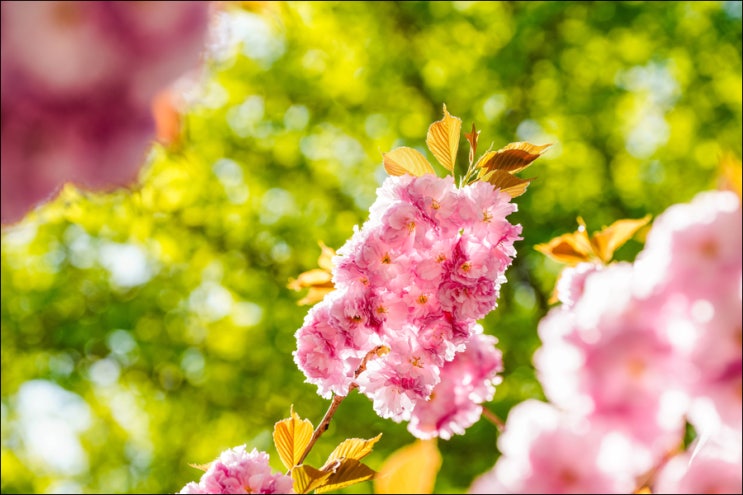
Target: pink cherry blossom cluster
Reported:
[(635, 350), (238, 471), (78, 80), (426, 265)]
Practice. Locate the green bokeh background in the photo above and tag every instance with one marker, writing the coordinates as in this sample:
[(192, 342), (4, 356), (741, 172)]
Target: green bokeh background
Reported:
[(164, 308)]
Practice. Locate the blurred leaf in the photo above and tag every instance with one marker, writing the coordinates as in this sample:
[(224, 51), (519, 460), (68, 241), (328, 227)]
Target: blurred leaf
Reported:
[(443, 139), (325, 261), (410, 469), (347, 472), (570, 249), (730, 173), (406, 160), (353, 448), (291, 437), (609, 239), (203, 467)]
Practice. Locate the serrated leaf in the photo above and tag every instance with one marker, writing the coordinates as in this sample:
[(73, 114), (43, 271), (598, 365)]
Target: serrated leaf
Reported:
[(353, 448), (510, 184), (349, 472), (611, 238), (443, 139), (410, 469), (306, 478), (512, 158), (291, 436), (203, 467), (404, 160)]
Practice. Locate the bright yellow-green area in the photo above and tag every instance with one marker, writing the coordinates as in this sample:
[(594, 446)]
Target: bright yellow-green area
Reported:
[(163, 311)]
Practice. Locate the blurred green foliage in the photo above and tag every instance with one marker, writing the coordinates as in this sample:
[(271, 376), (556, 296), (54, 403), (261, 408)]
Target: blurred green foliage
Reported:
[(163, 310)]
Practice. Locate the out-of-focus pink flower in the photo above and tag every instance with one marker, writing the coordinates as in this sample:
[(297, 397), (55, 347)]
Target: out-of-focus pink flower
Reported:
[(545, 450), (610, 357), (709, 467), (238, 471), (692, 258), (78, 81), (414, 279), (572, 281)]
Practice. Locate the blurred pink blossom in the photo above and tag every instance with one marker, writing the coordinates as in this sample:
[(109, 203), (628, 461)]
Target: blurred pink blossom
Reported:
[(78, 81), (545, 450)]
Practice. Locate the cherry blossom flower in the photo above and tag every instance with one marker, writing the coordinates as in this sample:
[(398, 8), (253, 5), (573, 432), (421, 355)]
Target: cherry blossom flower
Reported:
[(238, 471)]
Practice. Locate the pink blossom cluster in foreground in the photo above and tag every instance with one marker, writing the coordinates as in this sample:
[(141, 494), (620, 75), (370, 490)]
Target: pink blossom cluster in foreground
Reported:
[(426, 265), (238, 471), (78, 80), (634, 351)]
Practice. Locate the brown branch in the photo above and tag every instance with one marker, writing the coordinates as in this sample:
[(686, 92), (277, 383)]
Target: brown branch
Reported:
[(336, 401), (493, 418)]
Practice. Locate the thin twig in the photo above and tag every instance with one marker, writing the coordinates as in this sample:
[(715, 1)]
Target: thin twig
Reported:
[(336, 401), (493, 418)]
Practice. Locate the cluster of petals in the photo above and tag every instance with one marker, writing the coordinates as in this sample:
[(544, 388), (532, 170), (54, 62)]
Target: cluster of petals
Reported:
[(636, 350), (78, 81), (238, 471), (414, 280)]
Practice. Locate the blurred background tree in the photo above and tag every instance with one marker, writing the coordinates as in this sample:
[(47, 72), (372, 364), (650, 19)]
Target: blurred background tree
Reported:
[(149, 328)]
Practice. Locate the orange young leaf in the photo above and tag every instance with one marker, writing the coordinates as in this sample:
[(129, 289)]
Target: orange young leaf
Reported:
[(472, 138), (611, 238), (404, 160), (410, 469), (512, 158), (443, 139), (346, 472), (306, 478), (353, 448), (507, 183), (570, 248), (291, 436)]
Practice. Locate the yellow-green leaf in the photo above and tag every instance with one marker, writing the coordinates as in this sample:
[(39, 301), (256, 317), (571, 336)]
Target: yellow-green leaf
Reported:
[(611, 238), (410, 469), (404, 160), (291, 436), (306, 478), (507, 183), (348, 472), (443, 139), (512, 158), (353, 448)]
